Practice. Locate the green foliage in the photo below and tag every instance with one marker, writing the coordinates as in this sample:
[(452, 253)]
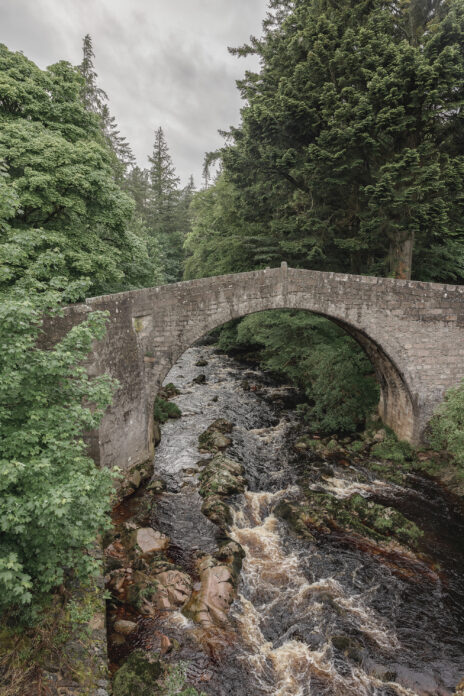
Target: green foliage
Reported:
[(218, 242), (447, 425), (168, 207), (318, 357), (175, 682), (349, 152), (138, 675), (393, 449), (63, 217), (163, 410), (54, 500)]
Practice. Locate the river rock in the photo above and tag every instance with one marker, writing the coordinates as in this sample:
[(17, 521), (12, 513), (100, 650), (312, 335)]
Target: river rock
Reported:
[(147, 541), (173, 589), (117, 639), (301, 446), (157, 486), (209, 606), (124, 627), (201, 379), (231, 554), (217, 511), (380, 435), (214, 438), (221, 476), (222, 425)]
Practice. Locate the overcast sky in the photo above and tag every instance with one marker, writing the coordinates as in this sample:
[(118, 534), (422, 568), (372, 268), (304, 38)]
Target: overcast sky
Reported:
[(161, 62)]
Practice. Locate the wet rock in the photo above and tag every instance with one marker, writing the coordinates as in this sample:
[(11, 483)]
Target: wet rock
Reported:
[(301, 446), (221, 476), (124, 627), (222, 425), (173, 589), (201, 363), (380, 435), (157, 486), (200, 379), (232, 555), (214, 438), (135, 479), (146, 542), (213, 441), (349, 646), (217, 511), (295, 516), (211, 603), (138, 675)]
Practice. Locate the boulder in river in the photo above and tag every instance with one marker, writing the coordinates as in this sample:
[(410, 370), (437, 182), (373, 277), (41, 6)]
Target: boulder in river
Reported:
[(210, 604), (221, 476), (214, 438), (147, 541), (216, 510), (124, 627), (173, 589)]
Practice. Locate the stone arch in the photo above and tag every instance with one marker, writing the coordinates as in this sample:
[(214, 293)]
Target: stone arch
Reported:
[(396, 405)]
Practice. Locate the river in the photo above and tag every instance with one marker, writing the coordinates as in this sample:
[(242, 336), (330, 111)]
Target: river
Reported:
[(326, 615)]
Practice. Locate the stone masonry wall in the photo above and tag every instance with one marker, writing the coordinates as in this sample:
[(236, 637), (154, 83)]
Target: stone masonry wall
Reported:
[(413, 333)]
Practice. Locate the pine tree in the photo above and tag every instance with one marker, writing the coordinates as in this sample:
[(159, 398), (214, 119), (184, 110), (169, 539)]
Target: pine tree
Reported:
[(350, 146), (164, 216), (96, 100), (93, 96)]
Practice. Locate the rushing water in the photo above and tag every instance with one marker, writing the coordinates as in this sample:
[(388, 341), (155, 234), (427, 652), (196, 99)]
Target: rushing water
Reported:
[(324, 618)]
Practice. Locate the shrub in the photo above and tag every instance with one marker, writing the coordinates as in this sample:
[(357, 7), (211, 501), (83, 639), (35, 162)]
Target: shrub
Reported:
[(163, 410), (392, 449), (53, 499), (447, 425)]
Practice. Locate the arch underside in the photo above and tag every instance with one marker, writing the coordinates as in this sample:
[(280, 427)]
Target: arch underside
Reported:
[(396, 404)]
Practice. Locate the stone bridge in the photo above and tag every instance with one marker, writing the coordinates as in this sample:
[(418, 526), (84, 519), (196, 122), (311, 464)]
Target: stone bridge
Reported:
[(412, 332)]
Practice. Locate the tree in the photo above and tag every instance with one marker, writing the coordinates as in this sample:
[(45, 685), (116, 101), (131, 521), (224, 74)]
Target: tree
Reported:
[(164, 217), (53, 499), (93, 97), (71, 220), (95, 100), (349, 150)]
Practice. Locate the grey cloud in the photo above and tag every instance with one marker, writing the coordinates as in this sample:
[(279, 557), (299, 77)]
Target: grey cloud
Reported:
[(162, 62)]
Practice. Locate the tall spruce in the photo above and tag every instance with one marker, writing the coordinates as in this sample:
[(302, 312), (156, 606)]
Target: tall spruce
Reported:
[(93, 96), (349, 153), (164, 215), (96, 100)]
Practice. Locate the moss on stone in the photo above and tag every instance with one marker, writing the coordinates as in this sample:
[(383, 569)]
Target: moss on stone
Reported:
[(322, 512), (138, 675), (163, 410)]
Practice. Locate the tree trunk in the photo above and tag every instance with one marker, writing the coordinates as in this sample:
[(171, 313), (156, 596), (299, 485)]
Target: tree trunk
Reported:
[(401, 258)]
